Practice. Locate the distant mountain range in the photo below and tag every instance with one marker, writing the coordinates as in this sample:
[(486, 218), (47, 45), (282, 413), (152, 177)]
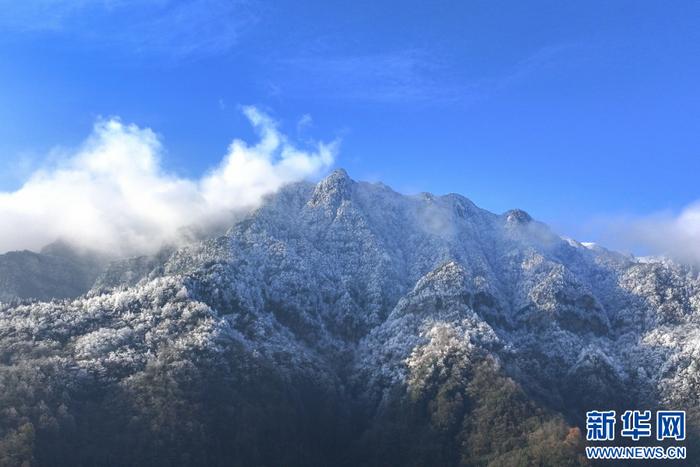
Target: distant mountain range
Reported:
[(342, 323)]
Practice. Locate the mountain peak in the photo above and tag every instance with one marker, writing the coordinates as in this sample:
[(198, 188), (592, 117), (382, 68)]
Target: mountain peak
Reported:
[(517, 216), (333, 189), (338, 179)]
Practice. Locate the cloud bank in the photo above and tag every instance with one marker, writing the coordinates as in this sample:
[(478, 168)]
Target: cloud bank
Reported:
[(113, 194), (676, 236)]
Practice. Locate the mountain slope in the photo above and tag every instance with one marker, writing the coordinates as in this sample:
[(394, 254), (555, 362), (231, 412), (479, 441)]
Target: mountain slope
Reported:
[(58, 271), (343, 323)]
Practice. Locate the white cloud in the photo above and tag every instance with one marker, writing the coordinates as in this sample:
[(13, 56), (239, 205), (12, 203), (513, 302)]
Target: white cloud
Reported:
[(676, 236), (114, 195)]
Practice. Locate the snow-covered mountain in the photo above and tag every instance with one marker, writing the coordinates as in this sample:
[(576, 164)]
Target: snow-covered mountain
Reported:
[(343, 323)]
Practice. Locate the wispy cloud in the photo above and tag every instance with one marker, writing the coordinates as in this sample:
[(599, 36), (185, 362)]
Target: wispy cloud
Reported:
[(113, 193), (410, 75), (195, 26), (542, 59), (402, 76), (304, 122), (178, 28)]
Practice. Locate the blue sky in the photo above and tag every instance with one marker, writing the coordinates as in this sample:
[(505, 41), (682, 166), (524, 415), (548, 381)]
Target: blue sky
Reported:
[(573, 111)]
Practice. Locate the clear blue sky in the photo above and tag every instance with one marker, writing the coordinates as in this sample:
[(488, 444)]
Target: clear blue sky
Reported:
[(569, 110)]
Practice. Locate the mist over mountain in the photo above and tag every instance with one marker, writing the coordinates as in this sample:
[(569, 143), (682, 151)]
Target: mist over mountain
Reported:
[(114, 195), (57, 271), (342, 323)]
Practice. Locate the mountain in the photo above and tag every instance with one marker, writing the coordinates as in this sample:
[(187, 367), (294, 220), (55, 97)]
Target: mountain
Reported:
[(343, 323), (58, 271)]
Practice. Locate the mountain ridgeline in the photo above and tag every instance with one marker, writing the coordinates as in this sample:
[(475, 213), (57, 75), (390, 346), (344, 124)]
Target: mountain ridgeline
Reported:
[(346, 324)]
